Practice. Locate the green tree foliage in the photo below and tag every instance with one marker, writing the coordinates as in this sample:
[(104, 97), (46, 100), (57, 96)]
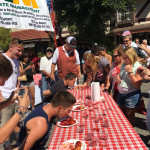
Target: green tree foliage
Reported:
[(89, 17), (5, 38)]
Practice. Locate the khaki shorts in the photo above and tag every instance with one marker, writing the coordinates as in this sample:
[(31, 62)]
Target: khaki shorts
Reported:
[(8, 112)]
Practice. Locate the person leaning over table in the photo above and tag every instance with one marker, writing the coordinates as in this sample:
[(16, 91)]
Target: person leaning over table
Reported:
[(8, 128), (36, 127), (97, 69), (129, 82), (61, 84)]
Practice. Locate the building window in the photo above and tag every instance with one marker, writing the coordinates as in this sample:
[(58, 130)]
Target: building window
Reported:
[(123, 15)]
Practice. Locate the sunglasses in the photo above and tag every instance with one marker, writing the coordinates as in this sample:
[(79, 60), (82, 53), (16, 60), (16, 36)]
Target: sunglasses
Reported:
[(115, 56), (126, 41), (49, 51), (19, 42)]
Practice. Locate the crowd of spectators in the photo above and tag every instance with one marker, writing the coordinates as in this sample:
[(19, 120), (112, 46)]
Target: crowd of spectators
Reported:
[(120, 74)]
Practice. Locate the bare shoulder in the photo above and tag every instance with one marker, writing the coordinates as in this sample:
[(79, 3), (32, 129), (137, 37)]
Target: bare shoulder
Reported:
[(37, 122), (109, 56)]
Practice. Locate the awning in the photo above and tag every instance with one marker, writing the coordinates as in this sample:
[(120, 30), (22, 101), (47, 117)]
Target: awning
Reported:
[(132, 29)]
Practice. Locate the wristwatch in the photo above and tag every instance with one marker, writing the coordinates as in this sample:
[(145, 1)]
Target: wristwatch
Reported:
[(19, 112)]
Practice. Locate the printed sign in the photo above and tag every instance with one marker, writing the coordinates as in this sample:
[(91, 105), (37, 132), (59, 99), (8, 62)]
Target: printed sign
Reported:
[(25, 14)]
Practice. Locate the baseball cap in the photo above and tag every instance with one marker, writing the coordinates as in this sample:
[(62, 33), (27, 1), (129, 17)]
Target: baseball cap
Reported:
[(126, 32), (49, 49), (72, 41)]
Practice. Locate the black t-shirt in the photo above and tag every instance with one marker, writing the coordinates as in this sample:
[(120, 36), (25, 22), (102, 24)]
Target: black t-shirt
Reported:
[(28, 72), (58, 86)]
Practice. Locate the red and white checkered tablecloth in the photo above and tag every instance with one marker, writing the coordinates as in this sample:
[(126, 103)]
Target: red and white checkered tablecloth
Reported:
[(121, 135)]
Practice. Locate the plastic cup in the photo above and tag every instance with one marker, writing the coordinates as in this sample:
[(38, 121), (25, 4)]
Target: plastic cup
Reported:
[(88, 136), (103, 143), (100, 117), (96, 119), (85, 115), (96, 129), (103, 136), (93, 142), (80, 129), (81, 124), (105, 123)]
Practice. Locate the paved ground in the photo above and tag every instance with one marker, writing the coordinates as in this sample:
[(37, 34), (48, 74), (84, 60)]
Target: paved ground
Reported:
[(141, 128), (140, 119)]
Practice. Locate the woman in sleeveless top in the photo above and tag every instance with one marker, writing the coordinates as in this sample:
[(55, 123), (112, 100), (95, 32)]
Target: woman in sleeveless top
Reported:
[(27, 68), (103, 53), (114, 71)]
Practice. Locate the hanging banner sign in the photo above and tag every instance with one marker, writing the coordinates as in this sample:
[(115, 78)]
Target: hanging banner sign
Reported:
[(25, 14)]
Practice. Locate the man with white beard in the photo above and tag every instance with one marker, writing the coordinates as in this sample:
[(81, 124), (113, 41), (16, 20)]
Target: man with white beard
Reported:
[(45, 68)]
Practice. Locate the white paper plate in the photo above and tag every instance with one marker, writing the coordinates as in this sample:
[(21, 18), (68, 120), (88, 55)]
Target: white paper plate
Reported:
[(58, 124), (83, 147), (74, 108)]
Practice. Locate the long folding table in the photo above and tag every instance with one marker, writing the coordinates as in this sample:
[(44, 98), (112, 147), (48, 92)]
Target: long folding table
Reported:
[(121, 135)]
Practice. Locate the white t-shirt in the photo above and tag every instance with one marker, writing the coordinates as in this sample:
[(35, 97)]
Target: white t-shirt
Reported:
[(148, 59), (56, 55), (132, 45), (11, 84), (45, 64)]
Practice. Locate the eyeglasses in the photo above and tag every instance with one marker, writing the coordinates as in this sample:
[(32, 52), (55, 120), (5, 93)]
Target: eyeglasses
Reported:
[(115, 56), (49, 51)]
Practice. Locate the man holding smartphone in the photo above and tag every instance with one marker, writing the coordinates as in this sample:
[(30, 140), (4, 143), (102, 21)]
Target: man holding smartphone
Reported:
[(14, 52)]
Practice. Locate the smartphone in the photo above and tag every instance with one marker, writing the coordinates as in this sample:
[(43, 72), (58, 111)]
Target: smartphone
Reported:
[(139, 70), (21, 92)]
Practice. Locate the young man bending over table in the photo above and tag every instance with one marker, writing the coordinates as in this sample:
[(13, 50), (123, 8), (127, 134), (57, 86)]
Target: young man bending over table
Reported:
[(61, 84), (36, 127)]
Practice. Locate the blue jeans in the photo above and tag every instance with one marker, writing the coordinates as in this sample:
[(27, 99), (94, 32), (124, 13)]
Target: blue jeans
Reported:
[(46, 83), (130, 100)]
